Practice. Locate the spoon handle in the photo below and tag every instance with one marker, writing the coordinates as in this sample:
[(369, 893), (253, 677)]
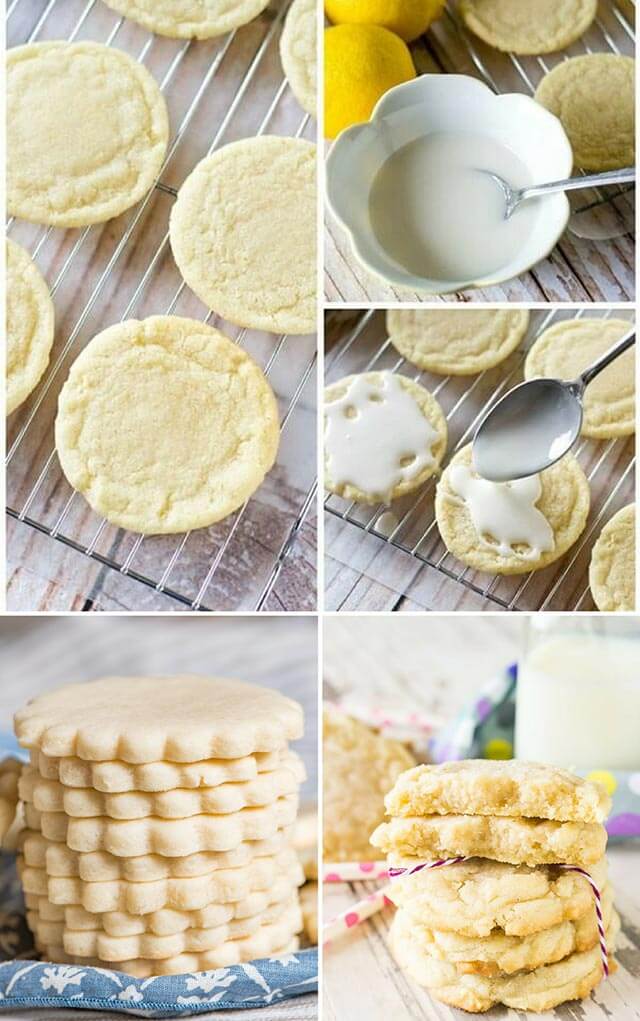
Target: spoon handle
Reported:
[(614, 351), (587, 181)]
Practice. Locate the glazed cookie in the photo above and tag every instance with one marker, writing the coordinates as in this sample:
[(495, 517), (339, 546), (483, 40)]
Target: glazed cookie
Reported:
[(168, 921), (476, 897), (186, 717), (594, 98), (567, 348), (572, 978), (516, 841), (243, 233), (189, 19), (30, 325), (511, 527), (359, 768), (456, 342), (121, 777), (516, 26), (384, 436), (88, 943), (164, 425), (499, 954), (298, 53), (51, 796), (486, 787), (612, 571), (87, 132)]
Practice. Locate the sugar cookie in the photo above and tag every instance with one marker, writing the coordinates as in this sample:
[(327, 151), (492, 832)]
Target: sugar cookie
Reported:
[(309, 905), (517, 26), (567, 348), (572, 978), (486, 787), (476, 897), (30, 325), (164, 425), (456, 342), (384, 436), (189, 19), (563, 503), (498, 953), (119, 777), (517, 841), (359, 768), (10, 770), (87, 132), (298, 44), (612, 571), (594, 98), (243, 233), (186, 717)]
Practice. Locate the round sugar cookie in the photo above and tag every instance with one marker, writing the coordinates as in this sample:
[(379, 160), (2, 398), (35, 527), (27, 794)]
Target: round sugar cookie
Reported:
[(186, 718), (594, 98), (391, 431), (189, 19), (456, 342), (164, 425), (298, 44), (87, 132), (520, 26), (563, 502), (30, 325), (243, 233), (567, 348), (539, 990), (612, 571)]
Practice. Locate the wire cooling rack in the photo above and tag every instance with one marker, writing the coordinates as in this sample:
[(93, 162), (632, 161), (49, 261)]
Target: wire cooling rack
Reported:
[(216, 91), (374, 562), (579, 269)]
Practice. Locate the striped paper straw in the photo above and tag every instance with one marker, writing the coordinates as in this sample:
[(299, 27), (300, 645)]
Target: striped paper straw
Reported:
[(354, 871), (359, 912)]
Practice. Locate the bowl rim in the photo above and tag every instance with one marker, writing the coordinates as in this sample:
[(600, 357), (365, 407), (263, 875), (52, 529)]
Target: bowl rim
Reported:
[(403, 279)]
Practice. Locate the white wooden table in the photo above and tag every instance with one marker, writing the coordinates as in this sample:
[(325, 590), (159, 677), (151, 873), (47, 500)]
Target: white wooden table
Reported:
[(61, 554), (578, 269), (367, 569), (435, 664)]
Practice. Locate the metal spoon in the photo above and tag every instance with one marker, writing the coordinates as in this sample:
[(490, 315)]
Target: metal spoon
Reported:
[(514, 196), (536, 423)]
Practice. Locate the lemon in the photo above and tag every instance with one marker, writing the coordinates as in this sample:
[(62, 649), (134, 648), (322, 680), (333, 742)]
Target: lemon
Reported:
[(407, 18), (361, 63)]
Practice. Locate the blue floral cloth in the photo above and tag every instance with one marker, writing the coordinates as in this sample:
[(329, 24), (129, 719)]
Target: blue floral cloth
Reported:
[(31, 983)]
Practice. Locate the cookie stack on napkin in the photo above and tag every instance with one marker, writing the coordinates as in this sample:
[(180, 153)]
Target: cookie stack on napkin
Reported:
[(159, 817), (507, 924)]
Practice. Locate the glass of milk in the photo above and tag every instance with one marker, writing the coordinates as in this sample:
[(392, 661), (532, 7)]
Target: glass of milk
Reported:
[(578, 694)]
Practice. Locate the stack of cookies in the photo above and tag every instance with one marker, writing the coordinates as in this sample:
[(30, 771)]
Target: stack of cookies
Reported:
[(508, 924), (160, 816)]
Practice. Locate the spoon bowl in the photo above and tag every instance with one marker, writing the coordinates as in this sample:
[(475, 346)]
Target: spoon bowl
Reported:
[(511, 444)]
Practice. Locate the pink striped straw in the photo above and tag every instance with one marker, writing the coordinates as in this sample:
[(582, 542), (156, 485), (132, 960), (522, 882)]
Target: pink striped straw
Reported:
[(356, 914)]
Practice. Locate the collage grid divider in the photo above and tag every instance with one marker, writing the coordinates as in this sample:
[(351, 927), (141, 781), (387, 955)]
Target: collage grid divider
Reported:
[(424, 497), (306, 504)]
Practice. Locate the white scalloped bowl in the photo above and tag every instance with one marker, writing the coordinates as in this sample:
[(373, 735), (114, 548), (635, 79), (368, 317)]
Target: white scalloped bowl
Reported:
[(447, 103)]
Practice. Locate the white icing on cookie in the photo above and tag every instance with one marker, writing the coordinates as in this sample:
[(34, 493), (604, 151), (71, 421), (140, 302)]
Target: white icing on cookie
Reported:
[(377, 437)]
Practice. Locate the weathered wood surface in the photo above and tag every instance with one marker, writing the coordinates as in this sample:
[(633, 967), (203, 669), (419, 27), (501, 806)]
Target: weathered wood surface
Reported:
[(410, 660), (124, 269), (578, 269), (364, 571)]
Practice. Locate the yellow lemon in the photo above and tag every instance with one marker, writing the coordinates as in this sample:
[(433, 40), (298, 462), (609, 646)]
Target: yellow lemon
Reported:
[(407, 18), (361, 63)]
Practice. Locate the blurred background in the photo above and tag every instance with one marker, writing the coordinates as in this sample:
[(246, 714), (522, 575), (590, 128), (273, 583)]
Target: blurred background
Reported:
[(41, 653)]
